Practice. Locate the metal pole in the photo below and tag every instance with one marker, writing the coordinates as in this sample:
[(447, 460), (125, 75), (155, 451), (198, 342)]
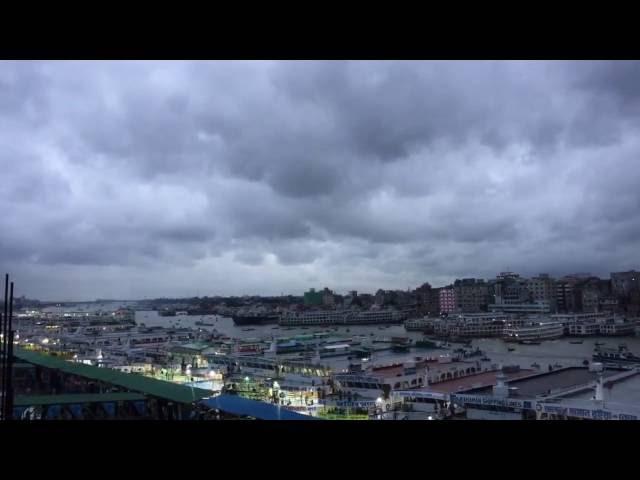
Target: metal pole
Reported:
[(2, 369), (9, 382), (4, 348)]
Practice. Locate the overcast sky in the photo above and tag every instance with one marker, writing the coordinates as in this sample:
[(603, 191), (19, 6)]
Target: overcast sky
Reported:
[(147, 179)]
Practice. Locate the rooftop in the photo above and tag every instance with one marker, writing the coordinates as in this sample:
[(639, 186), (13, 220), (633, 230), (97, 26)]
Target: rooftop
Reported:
[(484, 380), (31, 400), (137, 383), (547, 382), (245, 407), (624, 391)]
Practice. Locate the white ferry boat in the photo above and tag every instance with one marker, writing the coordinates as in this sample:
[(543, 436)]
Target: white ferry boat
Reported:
[(342, 317), (418, 325), (379, 382), (370, 317), (314, 317), (473, 325), (599, 324), (542, 330)]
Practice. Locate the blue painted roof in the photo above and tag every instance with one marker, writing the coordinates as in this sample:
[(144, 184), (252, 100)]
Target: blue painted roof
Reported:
[(237, 405)]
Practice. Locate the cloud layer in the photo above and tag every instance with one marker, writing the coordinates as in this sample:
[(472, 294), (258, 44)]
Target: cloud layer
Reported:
[(133, 179)]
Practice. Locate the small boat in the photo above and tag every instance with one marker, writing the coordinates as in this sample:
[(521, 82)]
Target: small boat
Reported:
[(577, 342), (511, 349), (485, 359), (535, 365), (557, 365), (599, 344)]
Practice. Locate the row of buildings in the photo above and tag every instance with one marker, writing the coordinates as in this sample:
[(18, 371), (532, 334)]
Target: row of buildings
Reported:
[(507, 293)]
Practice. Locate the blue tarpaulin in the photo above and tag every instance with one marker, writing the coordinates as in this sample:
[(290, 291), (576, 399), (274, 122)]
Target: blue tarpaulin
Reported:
[(140, 407), (76, 410), (241, 406), (53, 411), (110, 408)]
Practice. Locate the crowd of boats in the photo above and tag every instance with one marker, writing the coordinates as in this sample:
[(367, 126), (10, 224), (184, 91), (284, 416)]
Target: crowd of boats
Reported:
[(525, 329), (296, 370)]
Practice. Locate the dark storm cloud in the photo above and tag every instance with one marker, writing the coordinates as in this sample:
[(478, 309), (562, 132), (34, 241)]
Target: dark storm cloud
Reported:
[(348, 174)]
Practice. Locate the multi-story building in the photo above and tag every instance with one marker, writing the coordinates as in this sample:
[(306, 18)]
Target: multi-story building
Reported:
[(381, 297), (565, 300), (350, 299), (609, 304), (428, 300), (510, 289), (471, 295), (542, 289), (313, 298), (365, 300), (328, 299), (623, 283), (588, 292), (447, 300)]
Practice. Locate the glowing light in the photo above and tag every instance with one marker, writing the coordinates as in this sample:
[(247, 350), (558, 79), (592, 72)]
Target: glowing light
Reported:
[(45, 341), (429, 417), (246, 379)]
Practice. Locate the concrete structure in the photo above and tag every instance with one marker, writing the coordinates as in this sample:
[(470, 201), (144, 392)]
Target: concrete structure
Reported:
[(471, 295), (328, 299), (447, 300), (623, 283), (313, 298), (509, 289), (565, 302), (542, 289)]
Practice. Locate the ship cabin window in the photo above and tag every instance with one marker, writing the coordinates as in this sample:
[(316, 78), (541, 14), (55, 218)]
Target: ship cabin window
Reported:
[(414, 381), (397, 385)]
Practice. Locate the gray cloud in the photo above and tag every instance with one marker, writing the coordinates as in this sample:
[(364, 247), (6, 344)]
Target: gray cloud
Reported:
[(265, 176)]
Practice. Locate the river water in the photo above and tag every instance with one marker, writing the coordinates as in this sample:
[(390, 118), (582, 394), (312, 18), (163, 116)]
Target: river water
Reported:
[(552, 352)]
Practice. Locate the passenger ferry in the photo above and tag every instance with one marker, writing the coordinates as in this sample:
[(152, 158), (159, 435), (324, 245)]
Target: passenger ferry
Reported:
[(605, 326), (418, 325), (620, 356), (328, 317), (617, 328), (341, 317), (473, 325), (335, 350), (534, 331), (379, 382)]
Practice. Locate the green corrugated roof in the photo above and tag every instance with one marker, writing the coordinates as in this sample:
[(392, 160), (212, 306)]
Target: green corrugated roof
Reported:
[(28, 400), (130, 381)]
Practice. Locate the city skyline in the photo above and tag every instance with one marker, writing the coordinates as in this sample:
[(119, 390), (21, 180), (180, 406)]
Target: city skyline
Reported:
[(346, 292), (176, 179)]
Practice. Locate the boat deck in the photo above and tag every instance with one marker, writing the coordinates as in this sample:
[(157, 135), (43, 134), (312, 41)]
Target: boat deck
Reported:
[(471, 382)]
